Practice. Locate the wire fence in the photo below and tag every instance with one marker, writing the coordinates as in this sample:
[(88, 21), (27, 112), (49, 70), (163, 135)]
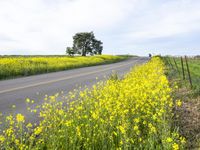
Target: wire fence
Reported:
[(183, 70)]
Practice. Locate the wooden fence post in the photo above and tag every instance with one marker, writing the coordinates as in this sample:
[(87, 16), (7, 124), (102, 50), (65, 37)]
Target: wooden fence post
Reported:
[(170, 63), (188, 70), (183, 71), (176, 66), (166, 61)]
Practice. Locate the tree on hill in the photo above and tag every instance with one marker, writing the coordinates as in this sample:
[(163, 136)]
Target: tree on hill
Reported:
[(70, 51), (97, 47), (85, 43)]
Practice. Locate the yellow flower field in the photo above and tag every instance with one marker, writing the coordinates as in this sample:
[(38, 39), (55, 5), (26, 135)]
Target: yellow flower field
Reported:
[(23, 66), (132, 113)]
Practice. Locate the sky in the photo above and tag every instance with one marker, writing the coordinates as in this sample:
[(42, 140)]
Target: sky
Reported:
[(166, 27)]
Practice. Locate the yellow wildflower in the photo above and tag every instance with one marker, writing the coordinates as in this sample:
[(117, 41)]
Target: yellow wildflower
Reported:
[(78, 131), (29, 125), (135, 128), (38, 130), (182, 139), (175, 146), (169, 140), (2, 138), (20, 118), (136, 120), (94, 115), (121, 128), (178, 103), (28, 100)]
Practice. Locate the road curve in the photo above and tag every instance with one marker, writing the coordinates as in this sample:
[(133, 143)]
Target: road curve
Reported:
[(15, 91)]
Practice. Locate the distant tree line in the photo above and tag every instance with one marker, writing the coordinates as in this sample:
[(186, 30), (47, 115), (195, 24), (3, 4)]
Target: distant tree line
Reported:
[(85, 43)]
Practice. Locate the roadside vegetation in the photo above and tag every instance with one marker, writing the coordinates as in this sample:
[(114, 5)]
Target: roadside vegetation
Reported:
[(11, 67), (131, 113), (188, 115)]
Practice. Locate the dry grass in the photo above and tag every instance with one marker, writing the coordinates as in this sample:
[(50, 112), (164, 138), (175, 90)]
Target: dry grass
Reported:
[(188, 118)]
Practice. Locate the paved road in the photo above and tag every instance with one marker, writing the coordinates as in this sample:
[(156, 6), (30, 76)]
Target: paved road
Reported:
[(15, 91)]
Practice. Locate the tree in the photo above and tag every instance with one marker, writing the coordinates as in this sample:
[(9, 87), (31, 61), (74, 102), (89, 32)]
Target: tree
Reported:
[(97, 47), (85, 43), (70, 51)]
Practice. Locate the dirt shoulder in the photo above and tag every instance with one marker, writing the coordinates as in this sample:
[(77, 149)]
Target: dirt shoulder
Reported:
[(187, 117)]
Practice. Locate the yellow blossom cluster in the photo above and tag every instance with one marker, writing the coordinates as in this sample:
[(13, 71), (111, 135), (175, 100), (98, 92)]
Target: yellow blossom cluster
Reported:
[(130, 113), (29, 65)]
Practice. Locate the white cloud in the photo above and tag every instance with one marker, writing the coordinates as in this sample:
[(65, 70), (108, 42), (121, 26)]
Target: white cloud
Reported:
[(167, 19), (47, 26)]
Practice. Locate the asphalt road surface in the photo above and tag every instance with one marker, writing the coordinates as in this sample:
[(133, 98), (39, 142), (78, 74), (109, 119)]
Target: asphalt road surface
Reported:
[(15, 91)]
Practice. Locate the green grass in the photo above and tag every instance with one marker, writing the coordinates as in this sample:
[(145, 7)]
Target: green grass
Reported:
[(194, 67), (195, 71), (16, 66)]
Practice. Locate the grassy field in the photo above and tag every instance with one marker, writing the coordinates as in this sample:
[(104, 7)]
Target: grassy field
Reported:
[(14, 66), (130, 113), (194, 67)]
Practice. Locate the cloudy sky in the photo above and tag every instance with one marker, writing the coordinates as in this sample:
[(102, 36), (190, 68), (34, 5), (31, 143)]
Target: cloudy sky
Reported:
[(125, 26)]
